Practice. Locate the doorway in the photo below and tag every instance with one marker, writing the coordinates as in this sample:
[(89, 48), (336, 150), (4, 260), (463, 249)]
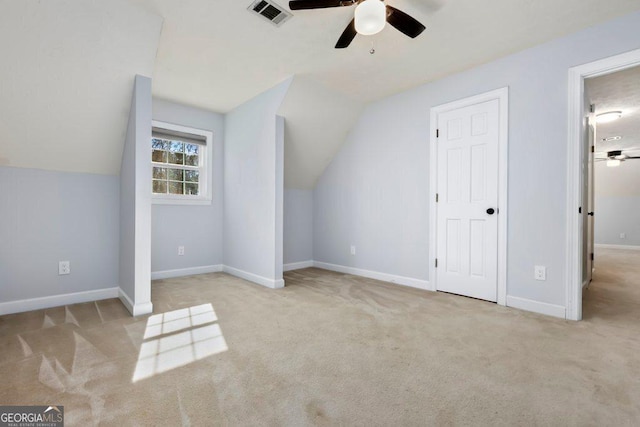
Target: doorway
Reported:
[(469, 184), (577, 209), (613, 189)]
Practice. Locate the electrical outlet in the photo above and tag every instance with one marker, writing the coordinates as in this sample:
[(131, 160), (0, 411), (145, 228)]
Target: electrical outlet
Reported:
[(540, 272), (64, 267), (623, 235), (353, 250), (180, 250)]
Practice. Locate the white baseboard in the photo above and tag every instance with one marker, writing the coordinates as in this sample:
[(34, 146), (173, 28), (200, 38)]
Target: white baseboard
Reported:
[(57, 300), (536, 306), (260, 280), (627, 247), (297, 265), (180, 272), (135, 309), (401, 280)]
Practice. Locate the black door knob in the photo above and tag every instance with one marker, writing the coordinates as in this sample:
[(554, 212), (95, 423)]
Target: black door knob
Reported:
[(491, 211), (590, 213)]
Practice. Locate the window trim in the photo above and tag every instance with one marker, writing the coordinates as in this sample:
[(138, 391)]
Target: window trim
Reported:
[(206, 182)]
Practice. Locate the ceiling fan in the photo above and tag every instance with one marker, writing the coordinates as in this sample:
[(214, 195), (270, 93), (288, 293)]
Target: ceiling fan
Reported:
[(370, 18), (615, 157)]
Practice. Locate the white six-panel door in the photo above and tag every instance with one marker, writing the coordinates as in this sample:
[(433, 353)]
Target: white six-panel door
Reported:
[(467, 187)]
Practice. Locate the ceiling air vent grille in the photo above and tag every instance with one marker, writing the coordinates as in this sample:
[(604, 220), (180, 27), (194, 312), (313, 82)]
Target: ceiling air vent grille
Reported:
[(270, 11)]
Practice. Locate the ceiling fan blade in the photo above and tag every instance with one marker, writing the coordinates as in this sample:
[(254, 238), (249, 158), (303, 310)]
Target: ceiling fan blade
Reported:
[(404, 23), (347, 36), (632, 157), (317, 4)]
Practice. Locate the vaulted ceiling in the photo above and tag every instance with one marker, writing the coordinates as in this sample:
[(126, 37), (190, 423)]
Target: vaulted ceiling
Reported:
[(68, 66)]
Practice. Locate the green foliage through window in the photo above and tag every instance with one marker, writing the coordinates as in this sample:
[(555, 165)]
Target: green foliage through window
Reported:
[(175, 167)]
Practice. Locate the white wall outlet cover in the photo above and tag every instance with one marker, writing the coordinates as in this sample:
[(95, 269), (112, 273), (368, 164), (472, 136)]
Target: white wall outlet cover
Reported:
[(540, 272), (64, 267), (353, 250), (623, 235), (180, 250)]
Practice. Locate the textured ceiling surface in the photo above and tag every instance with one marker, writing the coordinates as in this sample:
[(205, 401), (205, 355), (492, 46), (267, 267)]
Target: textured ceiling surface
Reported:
[(618, 91), (68, 66)]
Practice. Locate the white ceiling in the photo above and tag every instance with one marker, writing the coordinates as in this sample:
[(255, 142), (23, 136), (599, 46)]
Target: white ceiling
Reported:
[(66, 78), (216, 55), (317, 122), (68, 66), (618, 91)]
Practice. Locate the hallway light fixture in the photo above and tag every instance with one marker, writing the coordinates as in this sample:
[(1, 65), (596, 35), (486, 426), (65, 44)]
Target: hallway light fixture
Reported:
[(370, 17), (613, 163), (611, 138), (609, 116)]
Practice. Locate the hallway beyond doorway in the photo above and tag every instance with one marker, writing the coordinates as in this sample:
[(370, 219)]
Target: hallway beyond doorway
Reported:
[(614, 294)]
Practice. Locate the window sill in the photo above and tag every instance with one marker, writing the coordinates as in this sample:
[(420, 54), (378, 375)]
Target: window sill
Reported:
[(180, 201)]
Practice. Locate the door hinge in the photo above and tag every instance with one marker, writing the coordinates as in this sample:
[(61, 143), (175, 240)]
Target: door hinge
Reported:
[(437, 133), (437, 197), (592, 257), (593, 149), (592, 108), (436, 262), (580, 210)]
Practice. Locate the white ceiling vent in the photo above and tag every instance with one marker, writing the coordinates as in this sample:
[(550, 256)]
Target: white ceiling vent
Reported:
[(270, 11)]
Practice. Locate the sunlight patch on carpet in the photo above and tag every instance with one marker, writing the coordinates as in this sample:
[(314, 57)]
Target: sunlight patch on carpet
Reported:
[(177, 338)]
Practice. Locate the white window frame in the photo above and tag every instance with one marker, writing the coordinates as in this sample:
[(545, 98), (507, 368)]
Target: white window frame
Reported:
[(206, 176)]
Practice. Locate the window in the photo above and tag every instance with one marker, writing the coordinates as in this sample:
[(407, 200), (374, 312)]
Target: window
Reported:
[(181, 160)]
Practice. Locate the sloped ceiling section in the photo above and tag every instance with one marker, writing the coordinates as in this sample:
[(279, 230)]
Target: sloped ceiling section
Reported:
[(214, 54), (66, 78), (317, 122), (68, 66)]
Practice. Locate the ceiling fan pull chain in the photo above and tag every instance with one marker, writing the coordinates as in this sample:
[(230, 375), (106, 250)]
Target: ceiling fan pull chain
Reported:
[(373, 50)]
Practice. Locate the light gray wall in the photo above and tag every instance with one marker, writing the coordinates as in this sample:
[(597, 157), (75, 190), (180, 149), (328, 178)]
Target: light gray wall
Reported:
[(250, 181), (197, 228), (48, 217), (135, 201), (615, 215), (617, 203), (375, 193), (298, 225)]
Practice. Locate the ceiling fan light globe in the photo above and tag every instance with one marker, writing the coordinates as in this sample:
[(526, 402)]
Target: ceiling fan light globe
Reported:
[(370, 17), (613, 163)]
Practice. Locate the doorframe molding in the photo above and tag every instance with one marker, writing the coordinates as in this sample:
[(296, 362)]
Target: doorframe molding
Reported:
[(502, 95), (573, 250)]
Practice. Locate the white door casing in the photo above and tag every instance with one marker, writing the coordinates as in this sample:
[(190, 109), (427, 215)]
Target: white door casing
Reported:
[(469, 176), (591, 139), (574, 221)]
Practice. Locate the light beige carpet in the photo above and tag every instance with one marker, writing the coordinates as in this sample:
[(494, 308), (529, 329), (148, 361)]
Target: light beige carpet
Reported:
[(331, 349)]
